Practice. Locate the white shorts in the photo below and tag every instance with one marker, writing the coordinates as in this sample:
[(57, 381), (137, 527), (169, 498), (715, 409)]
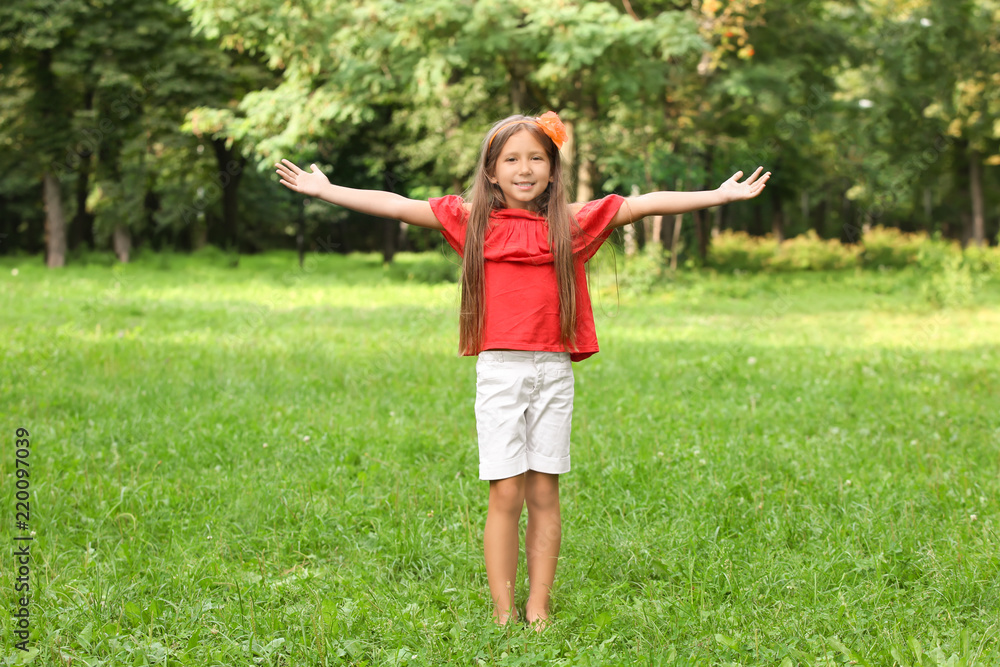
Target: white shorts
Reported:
[(524, 412)]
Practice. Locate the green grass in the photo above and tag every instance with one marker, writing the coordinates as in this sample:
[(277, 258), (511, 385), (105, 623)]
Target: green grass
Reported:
[(797, 469)]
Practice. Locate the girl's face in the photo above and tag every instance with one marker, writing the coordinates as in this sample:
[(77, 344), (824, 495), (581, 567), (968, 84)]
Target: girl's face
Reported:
[(523, 170)]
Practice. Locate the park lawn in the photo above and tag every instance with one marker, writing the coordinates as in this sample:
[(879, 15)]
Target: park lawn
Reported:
[(268, 465)]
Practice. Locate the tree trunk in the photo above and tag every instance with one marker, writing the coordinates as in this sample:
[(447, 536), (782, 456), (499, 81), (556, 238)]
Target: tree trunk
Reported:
[(231, 165), (8, 223), (81, 228), (656, 233), (300, 234), (676, 236), (55, 222), (631, 242), (150, 205), (518, 91), (777, 216), (584, 187), (576, 149), (819, 218), (928, 209), (976, 191), (631, 246), (701, 233), (849, 230), (757, 221), (676, 240), (122, 242), (403, 240), (568, 154), (390, 228)]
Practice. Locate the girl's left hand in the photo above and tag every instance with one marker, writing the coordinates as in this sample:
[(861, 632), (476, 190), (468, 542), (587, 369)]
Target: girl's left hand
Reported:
[(733, 190)]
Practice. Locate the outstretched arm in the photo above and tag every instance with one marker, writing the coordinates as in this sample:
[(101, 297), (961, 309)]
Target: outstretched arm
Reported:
[(373, 202), (672, 203)]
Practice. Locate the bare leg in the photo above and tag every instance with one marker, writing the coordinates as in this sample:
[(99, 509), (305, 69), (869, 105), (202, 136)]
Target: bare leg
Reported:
[(542, 542), (501, 543)]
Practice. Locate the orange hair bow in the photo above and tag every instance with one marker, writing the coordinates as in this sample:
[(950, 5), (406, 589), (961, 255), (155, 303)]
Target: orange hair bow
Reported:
[(548, 122)]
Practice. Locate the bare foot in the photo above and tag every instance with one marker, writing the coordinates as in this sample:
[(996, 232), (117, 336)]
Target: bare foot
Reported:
[(538, 619), (505, 617)]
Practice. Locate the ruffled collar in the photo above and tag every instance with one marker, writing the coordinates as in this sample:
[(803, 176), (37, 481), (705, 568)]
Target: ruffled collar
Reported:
[(515, 214)]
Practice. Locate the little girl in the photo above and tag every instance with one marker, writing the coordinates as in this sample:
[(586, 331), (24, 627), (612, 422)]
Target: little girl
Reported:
[(526, 313)]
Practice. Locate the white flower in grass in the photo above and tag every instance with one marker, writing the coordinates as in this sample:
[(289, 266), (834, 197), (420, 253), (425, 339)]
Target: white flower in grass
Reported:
[(305, 438), (13, 272), (972, 517), (847, 482), (265, 445), (752, 360)]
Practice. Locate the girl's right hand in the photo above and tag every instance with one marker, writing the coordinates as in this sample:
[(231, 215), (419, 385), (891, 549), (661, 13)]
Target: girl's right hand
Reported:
[(309, 183)]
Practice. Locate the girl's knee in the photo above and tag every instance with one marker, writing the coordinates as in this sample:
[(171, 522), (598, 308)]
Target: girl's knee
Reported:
[(542, 492), (507, 495), (547, 503)]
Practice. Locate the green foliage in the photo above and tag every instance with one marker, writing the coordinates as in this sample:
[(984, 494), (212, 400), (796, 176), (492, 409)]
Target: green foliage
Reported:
[(891, 248), (641, 273), (887, 104), (809, 252), (953, 283), (738, 251), (881, 248), (984, 260)]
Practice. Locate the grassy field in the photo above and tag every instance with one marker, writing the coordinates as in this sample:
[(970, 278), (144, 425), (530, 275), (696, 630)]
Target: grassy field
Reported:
[(269, 466)]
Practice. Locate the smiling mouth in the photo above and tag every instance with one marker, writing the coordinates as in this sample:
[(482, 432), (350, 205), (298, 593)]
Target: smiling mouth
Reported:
[(524, 186)]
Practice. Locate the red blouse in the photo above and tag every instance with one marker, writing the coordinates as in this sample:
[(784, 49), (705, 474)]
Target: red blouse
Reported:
[(522, 298)]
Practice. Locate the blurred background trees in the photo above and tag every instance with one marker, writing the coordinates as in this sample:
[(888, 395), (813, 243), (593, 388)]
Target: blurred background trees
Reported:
[(155, 124)]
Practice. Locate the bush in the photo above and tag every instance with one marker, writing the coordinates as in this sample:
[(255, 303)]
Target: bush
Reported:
[(809, 252), (953, 285), (738, 251), (935, 255), (643, 271), (891, 248), (882, 247), (985, 260)]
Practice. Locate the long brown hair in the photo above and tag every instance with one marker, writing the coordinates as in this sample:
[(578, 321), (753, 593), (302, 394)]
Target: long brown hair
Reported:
[(485, 198)]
